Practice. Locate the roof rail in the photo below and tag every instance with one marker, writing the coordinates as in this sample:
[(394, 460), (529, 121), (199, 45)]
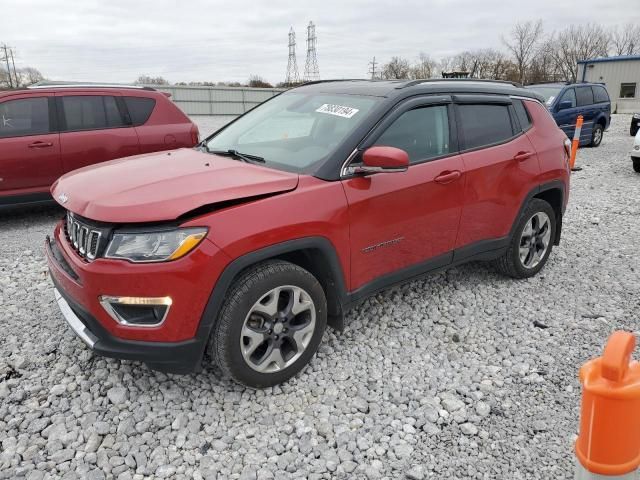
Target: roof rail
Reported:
[(314, 82), (55, 84), (550, 82), (411, 83)]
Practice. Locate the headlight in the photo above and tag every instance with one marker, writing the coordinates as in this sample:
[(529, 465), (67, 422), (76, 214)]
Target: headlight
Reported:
[(154, 246)]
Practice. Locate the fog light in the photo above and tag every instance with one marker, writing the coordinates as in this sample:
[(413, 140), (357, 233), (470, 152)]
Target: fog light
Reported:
[(137, 311)]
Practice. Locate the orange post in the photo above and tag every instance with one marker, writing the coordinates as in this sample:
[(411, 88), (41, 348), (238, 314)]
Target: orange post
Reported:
[(576, 141), (609, 440)]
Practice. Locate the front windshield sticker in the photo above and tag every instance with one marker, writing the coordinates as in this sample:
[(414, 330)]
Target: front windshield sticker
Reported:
[(550, 101), (338, 110)]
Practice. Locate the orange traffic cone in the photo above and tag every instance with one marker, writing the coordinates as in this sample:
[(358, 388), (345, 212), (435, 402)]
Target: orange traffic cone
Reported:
[(575, 143), (609, 442)]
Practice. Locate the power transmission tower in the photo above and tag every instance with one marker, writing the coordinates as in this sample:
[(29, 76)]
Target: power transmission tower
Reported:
[(372, 70), (292, 64), (311, 70), (6, 59)]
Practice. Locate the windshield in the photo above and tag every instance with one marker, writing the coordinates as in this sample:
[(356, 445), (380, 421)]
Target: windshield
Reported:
[(549, 92), (294, 131)]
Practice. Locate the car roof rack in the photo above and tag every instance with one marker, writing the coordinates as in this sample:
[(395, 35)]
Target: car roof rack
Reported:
[(411, 83), (56, 84), (550, 82), (315, 82)]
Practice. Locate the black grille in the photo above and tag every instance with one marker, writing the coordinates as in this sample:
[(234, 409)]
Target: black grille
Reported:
[(85, 238)]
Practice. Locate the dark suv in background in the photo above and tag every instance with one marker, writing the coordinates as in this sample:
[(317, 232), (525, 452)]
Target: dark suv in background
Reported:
[(566, 102), (49, 130)]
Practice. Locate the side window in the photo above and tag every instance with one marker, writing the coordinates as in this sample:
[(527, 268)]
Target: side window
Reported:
[(423, 133), (600, 95), (569, 96), (485, 124), (90, 112), (522, 114), (140, 109), (584, 96), (28, 116)]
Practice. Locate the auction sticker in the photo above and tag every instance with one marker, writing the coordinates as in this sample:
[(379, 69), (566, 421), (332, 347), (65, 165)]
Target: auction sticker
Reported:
[(338, 110)]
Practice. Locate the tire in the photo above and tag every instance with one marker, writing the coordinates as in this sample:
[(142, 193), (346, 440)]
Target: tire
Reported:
[(636, 164), (633, 131), (596, 135), (257, 348), (511, 263)]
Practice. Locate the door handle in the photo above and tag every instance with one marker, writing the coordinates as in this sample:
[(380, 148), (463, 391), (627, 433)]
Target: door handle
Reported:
[(40, 145), (522, 156), (448, 177)]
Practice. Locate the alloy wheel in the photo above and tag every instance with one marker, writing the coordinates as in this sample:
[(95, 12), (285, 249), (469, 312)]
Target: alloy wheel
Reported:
[(535, 239), (278, 329), (597, 136)]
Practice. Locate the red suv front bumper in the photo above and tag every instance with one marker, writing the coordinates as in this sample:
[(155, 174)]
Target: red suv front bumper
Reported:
[(178, 343)]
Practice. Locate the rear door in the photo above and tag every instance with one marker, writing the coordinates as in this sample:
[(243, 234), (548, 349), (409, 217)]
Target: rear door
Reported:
[(29, 144), (400, 220), (93, 129), (586, 108), (501, 168)]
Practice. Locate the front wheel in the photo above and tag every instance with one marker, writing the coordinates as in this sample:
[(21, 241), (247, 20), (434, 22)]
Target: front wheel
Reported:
[(531, 243), (596, 135), (270, 325)]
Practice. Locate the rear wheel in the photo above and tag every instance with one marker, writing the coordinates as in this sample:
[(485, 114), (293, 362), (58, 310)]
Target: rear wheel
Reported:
[(596, 135), (270, 325), (531, 243), (636, 164)]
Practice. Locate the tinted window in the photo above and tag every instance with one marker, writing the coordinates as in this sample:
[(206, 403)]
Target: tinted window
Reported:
[(90, 112), (140, 108), (423, 133), (485, 124), (522, 114), (627, 90), (600, 94), (584, 95), (29, 116), (569, 96)]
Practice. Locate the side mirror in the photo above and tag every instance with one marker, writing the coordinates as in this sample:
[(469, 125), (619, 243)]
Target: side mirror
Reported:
[(564, 105), (381, 159)]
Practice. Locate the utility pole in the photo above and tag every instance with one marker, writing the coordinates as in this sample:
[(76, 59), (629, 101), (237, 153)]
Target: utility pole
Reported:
[(311, 70), (292, 64), (15, 74), (6, 59), (372, 70)]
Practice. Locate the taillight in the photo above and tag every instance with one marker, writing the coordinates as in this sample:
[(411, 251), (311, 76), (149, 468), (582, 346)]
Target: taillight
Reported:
[(195, 135)]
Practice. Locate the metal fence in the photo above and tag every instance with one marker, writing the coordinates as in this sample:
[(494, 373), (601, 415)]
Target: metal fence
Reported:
[(217, 100)]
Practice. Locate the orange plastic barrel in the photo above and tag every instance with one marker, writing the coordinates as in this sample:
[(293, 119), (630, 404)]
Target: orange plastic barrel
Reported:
[(609, 440)]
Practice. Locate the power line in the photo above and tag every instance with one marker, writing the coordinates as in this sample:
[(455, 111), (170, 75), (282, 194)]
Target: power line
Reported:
[(372, 70), (292, 64), (311, 70)]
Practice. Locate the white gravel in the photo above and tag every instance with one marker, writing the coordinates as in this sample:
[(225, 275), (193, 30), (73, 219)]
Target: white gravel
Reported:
[(442, 378)]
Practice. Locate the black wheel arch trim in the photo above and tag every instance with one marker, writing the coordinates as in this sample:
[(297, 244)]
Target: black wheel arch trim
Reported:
[(545, 187)]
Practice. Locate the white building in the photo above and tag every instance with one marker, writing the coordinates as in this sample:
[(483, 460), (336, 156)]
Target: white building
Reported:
[(621, 77)]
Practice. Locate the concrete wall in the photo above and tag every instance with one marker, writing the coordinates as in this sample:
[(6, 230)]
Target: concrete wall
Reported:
[(612, 74), (217, 100)]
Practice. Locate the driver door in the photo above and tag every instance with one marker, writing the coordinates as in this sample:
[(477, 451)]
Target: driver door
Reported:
[(402, 224)]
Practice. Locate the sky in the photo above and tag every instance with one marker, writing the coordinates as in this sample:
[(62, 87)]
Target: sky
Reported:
[(199, 40)]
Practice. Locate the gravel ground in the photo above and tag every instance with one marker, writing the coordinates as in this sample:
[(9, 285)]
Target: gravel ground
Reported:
[(446, 377)]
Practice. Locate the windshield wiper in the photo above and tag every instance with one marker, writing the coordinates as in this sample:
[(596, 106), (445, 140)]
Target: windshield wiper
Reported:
[(245, 157)]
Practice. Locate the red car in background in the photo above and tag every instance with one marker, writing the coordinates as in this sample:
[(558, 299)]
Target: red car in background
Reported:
[(47, 131)]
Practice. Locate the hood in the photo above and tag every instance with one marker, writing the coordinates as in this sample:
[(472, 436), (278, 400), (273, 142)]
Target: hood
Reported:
[(164, 185)]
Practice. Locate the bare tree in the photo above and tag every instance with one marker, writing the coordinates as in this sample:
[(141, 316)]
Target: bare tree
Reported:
[(578, 42), (544, 64), (28, 76), (522, 44), (397, 68), (625, 40), (425, 67), (147, 80), (256, 81)]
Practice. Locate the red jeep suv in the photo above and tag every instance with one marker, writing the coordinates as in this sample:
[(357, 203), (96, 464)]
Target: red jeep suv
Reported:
[(247, 246), (49, 130)]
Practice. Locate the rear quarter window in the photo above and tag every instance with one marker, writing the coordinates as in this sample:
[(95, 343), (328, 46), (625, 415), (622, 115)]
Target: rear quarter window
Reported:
[(484, 125), (140, 109), (522, 114), (600, 95)]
